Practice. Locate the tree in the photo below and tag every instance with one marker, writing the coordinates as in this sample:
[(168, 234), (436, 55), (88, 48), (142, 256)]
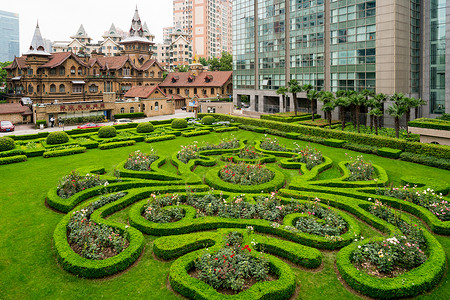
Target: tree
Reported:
[(312, 95), (328, 106), (203, 61), (396, 110), (357, 101), (368, 93), (3, 72), (380, 98), (183, 68), (294, 88), (226, 62), (282, 91), (376, 113), (214, 64), (342, 103), (417, 103)]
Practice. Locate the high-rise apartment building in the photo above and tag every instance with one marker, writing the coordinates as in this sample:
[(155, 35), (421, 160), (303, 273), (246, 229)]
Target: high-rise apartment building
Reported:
[(208, 24), (386, 46), (9, 36)]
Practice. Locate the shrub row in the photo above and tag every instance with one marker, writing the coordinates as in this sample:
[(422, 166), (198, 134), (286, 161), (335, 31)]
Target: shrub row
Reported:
[(253, 128), (130, 115), (195, 133), (226, 129), (361, 148), (12, 159), (82, 120), (89, 144), (278, 118), (113, 145), (64, 152), (440, 151), (13, 152), (431, 161), (334, 143), (430, 124), (160, 138), (29, 136), (388, 152)]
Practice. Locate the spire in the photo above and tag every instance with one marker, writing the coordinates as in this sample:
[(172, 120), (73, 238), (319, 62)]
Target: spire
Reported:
[(112, 33), (37, 44), (81, 34), (112, 29), (136, 15), (136, 33)]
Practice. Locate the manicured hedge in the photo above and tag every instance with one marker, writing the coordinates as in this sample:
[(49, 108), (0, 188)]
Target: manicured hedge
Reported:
[(253, 128), (179, 123), (130, 115), (6, 144), (107, 132), (89, 144), (195, 133), (29, 136), (13, 152), (334, 143), (208, 120), (226, 129), (388, 152), (440, 151), (116, 144), (57, 138), (64, 152), (430, 124), (39, 122), (12, 159), (361, 148), (145, 127), (160, 138), (431, 161), (300, 117)]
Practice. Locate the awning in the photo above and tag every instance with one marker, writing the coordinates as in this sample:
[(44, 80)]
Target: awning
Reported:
[(16, 78), (78, 82)]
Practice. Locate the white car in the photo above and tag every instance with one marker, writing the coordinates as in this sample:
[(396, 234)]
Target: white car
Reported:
[(123, 121)]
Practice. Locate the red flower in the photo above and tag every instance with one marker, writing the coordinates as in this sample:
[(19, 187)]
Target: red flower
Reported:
[(228, 244), (216, 258), (249, 250)]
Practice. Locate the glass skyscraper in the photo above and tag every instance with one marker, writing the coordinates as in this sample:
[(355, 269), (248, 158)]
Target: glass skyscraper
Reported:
[(386, 46), (9, 36)]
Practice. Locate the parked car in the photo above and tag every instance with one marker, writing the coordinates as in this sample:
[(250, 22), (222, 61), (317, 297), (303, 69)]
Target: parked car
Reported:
[(89, 125), (6, 126), (123, 121)]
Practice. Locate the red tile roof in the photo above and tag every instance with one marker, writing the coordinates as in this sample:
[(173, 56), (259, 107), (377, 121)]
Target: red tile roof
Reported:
[(111, 62), (142, 91), (18, 61), (59, 58), (150, 63), (219, 78), (14, 108)]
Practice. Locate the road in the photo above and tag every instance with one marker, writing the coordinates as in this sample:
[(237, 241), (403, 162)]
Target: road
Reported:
[(29, 128)]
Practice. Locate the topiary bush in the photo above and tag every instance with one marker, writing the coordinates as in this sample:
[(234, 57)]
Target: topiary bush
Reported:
[(208, 120), (56, 138), (6, 143), (179, 123), (107, 132), (145, 128)]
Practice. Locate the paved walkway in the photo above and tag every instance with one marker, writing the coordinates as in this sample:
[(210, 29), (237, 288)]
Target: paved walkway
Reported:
[(29, 128)]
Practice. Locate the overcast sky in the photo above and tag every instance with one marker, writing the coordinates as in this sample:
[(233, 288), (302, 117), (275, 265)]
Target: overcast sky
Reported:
[(59, 19)]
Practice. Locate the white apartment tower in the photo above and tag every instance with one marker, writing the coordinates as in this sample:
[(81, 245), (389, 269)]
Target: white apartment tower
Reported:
[(208, 24)]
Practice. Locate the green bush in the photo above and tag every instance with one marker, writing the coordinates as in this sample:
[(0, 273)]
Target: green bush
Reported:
[(430, 124), (56, 138), (13, 152), (64, 152), (225, 129), (388, 152), (130, 116), (361, 148), (39, 122), (82, 120), (431, 161), (208, 120), (107, 132), (113, 145), (12, 159), (195, 133), (146, 127), (160, 138), (179, 123), (6, 143), (334, 143)]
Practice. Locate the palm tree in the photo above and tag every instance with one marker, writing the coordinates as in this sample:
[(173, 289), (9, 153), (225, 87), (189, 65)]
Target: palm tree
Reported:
[(396, 110), (408, 103), (357, 100), (306, 88), (417, 104), (376, 113), (327, 97), (343, 103), (328, 108), (282, 91), (368, 93), (380, 98), (312, 95), (294, 88)]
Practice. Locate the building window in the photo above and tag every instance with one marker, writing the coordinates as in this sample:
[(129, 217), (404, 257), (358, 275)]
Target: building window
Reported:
[(212, 91), (93, 88), (126, 72), (62, 71), (80, 71), (152, 74), (30, 71), (195, 91), (122, 110), (186, 91), (30, 89), (77, 89), (52, 71), (211, 110), (52, 88), (156, 106), (62, 88), (131, 110), (72, 71), (38, 89)]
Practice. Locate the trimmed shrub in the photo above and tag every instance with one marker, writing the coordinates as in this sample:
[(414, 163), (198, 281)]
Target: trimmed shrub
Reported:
[(12, 159), (388, 152), (56, 138), (334, 143), (361, 148), (160, 138), (13, 152), (208, 120), (146, 127), (64, 152), (113, 145), (39, 122), (195, 133), (6, 143), (129, 116), (430, 124), (179, 123), (225, 129), (431, 161), (107, 132)]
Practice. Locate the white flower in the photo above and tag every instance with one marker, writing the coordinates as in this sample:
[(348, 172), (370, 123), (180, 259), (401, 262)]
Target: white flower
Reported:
[(359, 247)]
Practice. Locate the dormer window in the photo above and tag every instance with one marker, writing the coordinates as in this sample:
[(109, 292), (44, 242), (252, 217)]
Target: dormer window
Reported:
[(175, 78), (208, 78), (190, 78)]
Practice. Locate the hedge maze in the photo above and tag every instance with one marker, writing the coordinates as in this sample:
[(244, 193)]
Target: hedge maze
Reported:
[(283, 233)]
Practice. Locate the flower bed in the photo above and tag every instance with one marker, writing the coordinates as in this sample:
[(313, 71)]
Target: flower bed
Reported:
[(248, 153), (272, 145), (74, 182), (245, 174), (138, 161), (360, 170), (308, 155)]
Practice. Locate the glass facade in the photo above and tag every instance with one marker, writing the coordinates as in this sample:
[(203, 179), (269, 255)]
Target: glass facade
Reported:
[(9, 36), (243, 45), (353, 48), (437, 56), (307, 27), (415, 46)]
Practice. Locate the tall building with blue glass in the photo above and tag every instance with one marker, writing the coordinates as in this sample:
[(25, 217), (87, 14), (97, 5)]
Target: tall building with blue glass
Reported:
[(9, 36), (386, 46)]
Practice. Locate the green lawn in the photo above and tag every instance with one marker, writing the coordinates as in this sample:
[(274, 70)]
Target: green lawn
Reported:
[(28, 267)]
